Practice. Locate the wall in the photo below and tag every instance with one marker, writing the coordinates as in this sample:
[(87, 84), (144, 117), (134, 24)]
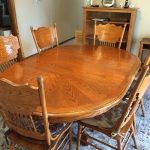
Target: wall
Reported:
[(43, 13), (67, 14), (142, 21)]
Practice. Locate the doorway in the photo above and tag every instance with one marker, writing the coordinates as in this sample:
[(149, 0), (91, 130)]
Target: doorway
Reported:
[(5, 24), (8, 21)]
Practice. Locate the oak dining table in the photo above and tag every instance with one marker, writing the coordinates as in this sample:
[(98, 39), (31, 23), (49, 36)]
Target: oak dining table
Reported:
[(80, 81)]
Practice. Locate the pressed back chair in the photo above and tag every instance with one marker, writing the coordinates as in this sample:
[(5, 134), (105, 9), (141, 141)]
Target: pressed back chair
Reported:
[(109, 34), (8, 51), (18, 104), (142, 91), (45, 37), (117, 123), (145, 85)]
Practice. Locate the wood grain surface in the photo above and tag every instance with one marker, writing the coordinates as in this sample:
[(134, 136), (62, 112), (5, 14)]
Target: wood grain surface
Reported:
[(80, 81)]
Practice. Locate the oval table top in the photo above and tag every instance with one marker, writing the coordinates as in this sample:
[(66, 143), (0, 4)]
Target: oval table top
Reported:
[(80, 81)]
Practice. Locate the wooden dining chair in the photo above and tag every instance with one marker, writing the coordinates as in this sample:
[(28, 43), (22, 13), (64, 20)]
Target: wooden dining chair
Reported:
[(145, 84), (144, 87), (109, 34), (117, 123), (8, 51), (45, 37), (18, 105), (142, 91)]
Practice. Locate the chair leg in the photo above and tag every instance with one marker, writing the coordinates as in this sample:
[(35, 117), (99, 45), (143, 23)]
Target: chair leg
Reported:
[(79, 136), (134, 136), (70, 138), (119, 144), (142, 107), (134, 123)]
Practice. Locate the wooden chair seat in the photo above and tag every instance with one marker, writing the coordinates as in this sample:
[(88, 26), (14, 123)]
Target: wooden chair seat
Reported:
[(109, 119), (117, 123), (18, 104), (109, 131), (33, 144), (20, 141), (55, 128)]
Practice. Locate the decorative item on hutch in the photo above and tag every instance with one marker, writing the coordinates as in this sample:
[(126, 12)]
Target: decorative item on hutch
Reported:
[(90, 3), (87, 2), (126, 5), (108, 3)]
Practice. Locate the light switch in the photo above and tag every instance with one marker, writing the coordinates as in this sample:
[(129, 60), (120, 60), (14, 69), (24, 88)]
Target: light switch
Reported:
[(36, 1)]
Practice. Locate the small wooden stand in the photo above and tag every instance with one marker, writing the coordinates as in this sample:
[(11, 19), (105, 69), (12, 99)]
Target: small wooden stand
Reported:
[(144, 45)]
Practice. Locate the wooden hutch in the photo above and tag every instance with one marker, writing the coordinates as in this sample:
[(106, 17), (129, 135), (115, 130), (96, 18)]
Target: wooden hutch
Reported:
[(118, 16)]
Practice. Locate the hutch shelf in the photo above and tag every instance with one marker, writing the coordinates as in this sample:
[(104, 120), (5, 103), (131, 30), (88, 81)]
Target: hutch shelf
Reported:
[(118, 16)]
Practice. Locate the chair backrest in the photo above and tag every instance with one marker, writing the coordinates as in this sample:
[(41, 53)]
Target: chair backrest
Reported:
[(18, 103), (45, 37), (8, 51), (133, 100), (144, 86), (109, 34)]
